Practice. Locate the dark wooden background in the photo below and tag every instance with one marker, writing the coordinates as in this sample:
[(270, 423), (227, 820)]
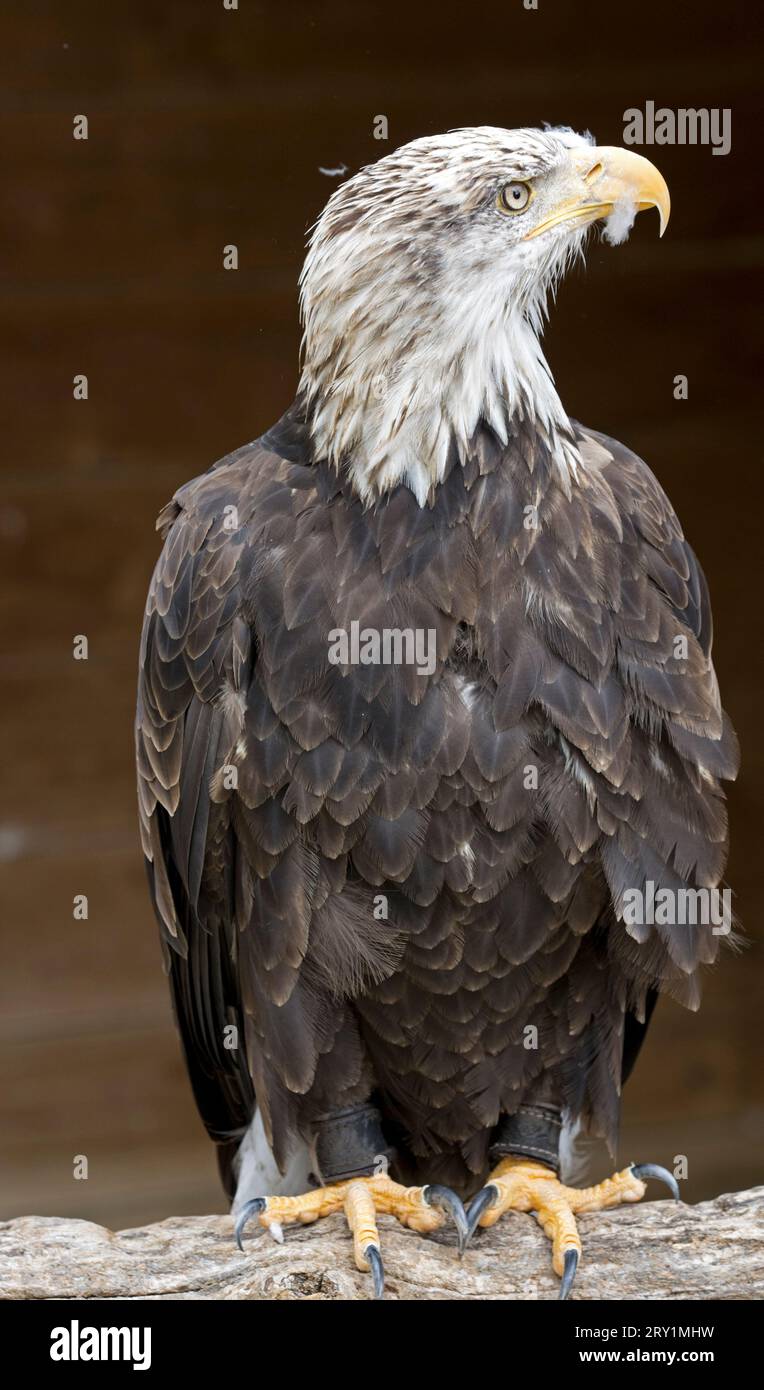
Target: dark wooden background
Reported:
[(208, 127)]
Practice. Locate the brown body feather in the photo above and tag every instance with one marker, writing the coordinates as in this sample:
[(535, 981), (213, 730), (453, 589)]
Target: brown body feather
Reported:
[(556, 650)]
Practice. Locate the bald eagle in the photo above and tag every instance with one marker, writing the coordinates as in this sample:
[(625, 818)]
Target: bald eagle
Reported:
[(426, 703)]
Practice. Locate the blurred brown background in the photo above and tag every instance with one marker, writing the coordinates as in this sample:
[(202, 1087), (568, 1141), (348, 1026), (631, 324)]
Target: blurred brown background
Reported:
[(207, 127)]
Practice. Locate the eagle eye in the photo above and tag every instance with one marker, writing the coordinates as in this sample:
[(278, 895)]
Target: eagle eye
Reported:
[(514, 197)]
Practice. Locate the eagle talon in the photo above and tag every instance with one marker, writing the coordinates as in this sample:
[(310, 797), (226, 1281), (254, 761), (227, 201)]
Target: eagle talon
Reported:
[(484, 1199), (254, 1208), (436, 1195), (568, 1274), (643, 1171), (521, 1184), (374, 1256), (361, 1199)]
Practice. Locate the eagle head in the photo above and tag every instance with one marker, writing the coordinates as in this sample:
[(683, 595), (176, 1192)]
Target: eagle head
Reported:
[(424, 291)]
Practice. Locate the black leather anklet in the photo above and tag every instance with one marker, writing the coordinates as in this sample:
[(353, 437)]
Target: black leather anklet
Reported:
[(532, 1132), (350, 1144)]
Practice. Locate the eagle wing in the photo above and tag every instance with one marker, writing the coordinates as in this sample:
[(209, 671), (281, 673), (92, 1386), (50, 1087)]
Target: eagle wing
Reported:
[(194, 639), (681, 741), (660, 807), (260, 964)]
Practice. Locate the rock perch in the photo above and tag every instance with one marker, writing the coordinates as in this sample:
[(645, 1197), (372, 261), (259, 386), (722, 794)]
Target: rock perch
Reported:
[(657, 1250)]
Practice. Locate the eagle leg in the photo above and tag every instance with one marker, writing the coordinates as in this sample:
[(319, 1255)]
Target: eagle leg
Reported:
[(519, 1184), (361, 1199)]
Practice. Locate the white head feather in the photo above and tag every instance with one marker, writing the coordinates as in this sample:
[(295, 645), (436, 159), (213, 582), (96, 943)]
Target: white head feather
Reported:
[(423, 304)]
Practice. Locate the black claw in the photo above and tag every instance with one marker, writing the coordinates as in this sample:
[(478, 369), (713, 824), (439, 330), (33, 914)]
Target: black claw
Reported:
[(654, 1170), (253, 1208), (435, 1195), (485, 1198), (374, 1256), (568, 1273)]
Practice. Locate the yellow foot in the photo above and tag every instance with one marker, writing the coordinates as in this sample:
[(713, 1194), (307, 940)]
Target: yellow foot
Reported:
[(361, 1199), (520, 1184)]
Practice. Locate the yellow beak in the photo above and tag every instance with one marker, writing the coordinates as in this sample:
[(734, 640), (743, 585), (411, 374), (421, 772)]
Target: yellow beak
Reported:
[(610, 175)]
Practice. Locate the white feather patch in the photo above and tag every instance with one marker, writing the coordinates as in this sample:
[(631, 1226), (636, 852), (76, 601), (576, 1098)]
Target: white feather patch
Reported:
[(257, 1174), (620, 222)]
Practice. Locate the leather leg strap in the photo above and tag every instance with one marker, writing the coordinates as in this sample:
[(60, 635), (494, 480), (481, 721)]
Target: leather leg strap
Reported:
[(532, 1132), (350, 1144)]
